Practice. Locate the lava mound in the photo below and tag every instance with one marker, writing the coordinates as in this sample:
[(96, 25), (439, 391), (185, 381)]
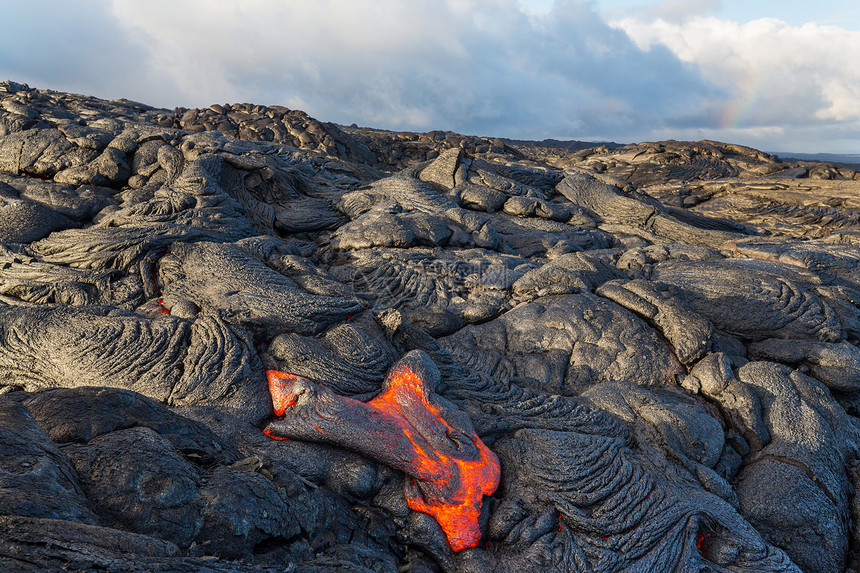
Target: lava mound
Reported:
[(239, 339)]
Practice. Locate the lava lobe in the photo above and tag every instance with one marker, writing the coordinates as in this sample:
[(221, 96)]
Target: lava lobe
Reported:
[(450, 468)]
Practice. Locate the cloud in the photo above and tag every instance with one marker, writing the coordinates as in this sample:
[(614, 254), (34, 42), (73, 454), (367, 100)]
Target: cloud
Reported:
[(682, 10), (777, 77), (476, 66), (668, 10), (516, 68), (73, 45)]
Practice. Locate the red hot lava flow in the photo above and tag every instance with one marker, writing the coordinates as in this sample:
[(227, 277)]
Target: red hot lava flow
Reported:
[(450, 468)]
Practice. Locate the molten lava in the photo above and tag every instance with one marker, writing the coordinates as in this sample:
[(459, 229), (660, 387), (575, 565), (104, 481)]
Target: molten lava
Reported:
[(702, 542), (279, 384), (450, 468)]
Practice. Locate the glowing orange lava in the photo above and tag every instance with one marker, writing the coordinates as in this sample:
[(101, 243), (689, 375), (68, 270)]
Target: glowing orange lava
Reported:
[(450, 470), (279, 385), (458, 512), (702, 541)]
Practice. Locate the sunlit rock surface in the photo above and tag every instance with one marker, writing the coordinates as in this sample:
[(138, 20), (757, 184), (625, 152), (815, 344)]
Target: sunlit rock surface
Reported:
[(484, 355)]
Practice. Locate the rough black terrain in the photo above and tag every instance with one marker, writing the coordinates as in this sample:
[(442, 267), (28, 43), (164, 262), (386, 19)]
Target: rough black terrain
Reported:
[(659, 342)]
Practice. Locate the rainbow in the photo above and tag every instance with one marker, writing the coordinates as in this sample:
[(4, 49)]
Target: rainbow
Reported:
[(738, 111)]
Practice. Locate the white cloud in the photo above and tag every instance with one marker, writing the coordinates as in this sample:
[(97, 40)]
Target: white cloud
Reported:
[(775, 74)]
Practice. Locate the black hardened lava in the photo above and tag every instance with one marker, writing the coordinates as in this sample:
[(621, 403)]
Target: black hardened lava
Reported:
[(240, 339)]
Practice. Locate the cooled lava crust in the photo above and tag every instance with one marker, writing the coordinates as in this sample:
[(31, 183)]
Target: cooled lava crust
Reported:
[(482, 355)]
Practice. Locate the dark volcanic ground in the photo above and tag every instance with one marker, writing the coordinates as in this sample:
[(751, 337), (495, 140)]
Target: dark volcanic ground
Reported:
[(658, 341)]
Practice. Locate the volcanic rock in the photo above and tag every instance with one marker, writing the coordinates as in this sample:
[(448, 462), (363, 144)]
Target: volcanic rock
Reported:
[(649, 351)]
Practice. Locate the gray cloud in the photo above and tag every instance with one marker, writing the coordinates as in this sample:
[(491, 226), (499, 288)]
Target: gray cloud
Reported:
[(73, 45), (483, 67)]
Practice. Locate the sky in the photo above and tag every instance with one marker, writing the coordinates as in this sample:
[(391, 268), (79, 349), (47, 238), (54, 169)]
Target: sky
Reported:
[(776, 75)]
